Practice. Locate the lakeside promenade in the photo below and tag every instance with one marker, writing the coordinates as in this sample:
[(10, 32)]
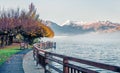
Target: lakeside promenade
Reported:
[(23, 62)]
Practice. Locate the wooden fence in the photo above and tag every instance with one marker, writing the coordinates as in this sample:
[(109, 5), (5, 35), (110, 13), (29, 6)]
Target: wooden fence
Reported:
[(44, 58)]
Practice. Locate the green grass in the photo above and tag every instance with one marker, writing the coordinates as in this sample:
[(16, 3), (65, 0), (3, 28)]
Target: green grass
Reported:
[(7, 52)]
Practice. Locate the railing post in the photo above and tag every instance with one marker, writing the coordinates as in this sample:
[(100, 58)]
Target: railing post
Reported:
[(37, 58), (46, 62), (34, 52), (65, 68)]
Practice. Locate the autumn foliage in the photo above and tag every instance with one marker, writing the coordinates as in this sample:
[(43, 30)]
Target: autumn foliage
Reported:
[(25, 23)]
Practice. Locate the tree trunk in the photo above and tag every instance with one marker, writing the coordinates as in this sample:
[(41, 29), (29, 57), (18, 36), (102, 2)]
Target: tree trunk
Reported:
[(10, 40), (2, 41)]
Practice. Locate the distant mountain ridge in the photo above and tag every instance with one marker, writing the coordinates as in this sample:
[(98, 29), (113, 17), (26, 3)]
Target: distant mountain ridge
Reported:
[(75, 27)]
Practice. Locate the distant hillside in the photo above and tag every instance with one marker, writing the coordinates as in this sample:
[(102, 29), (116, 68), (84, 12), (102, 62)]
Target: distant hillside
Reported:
[(75, 27)]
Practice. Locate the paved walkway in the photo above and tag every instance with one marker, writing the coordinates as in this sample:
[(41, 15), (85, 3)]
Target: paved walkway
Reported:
[(14, 64), (29, 64)]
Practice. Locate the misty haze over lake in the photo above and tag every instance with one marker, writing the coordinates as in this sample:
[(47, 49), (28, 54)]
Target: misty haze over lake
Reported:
[(104, 47)]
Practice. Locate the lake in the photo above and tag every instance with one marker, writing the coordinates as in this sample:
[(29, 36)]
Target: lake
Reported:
[(103, 48)]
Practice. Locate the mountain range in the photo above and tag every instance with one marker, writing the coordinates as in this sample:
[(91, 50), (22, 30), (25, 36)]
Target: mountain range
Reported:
[(76, 27)]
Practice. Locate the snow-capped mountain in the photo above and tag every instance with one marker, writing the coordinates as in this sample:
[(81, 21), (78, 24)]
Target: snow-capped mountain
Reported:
[(76, 27), (74, 23)]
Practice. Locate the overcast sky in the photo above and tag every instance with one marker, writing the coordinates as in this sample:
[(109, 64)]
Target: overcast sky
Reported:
[(76, 10)]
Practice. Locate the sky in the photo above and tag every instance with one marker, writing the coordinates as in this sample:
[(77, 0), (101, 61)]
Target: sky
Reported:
[(59, 11)]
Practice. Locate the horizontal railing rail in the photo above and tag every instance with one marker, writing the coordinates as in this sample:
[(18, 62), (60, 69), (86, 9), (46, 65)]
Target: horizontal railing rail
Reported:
[(44, 58)]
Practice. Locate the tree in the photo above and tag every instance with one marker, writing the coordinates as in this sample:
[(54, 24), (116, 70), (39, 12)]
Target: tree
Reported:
[(27, 24)]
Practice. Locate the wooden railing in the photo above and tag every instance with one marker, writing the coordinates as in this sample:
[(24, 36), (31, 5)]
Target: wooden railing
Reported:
[(44, 58)]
